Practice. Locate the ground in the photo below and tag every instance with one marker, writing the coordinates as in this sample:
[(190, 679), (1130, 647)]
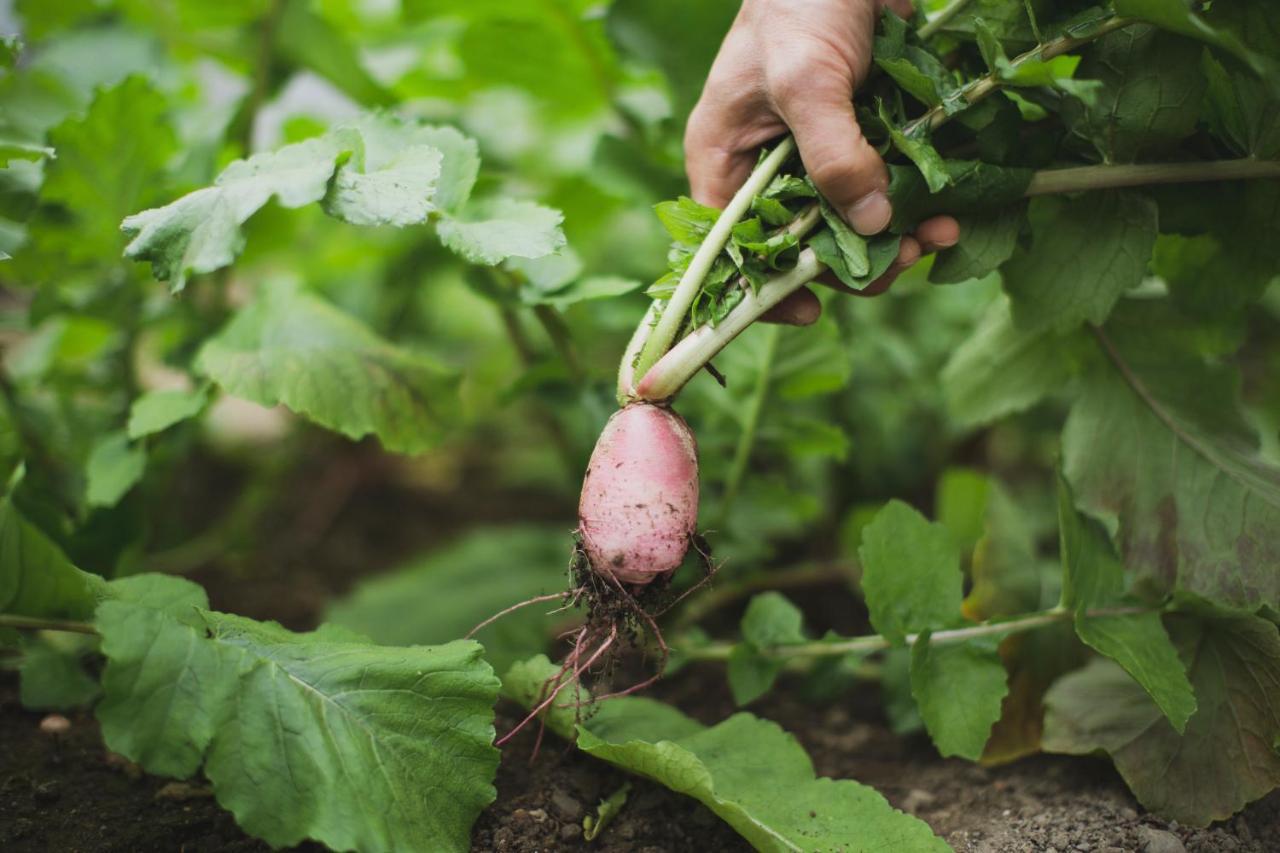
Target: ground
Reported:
[(71, 795)]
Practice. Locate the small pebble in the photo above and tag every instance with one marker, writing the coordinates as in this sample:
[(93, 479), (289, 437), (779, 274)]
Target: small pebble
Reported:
[(55, 725), (1159, 841), (570, 832), (46, 792), (566, 806)]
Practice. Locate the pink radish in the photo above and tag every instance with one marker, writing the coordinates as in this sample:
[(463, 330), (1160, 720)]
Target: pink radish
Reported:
[(639, 505)]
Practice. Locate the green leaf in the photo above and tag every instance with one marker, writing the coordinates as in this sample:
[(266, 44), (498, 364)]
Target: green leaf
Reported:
[(1094, 578), (1001, 369), (319, 735), (374, 170), (491, 231), (589, 288), (1223, 257), (390, 178), (1085, 253), (958, 688), (849, 260), (973, 187), (1177, 16), (910, 572), (770, 620), (52, 673), (100, 174), (36, 578), (156, 411), (291, 347), (113, 469), (1149, 98), (751, 773), (1224, 760), (986, 242), (1242, 110), (917, 71), (1155, 448), (961, 504), (686, 220), (443, 595), (921, 152)]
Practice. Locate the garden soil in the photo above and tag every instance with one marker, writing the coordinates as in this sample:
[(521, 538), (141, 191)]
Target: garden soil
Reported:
[(72, 796)]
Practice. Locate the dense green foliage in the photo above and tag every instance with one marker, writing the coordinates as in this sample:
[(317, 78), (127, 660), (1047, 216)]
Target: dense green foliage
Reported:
[(228, 230)]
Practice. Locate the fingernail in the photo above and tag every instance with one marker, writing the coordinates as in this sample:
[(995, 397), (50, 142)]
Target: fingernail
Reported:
[(947, 242), (870, 214)]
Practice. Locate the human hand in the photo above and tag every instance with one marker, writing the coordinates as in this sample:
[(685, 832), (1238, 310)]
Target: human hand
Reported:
[(794, 65)]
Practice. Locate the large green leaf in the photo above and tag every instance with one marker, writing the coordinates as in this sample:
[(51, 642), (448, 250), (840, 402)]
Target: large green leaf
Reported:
[(291, 347), (1226, 758), (1150, 93), (156, 411), (443, 595), (109, 162), (986, 242), (1155, 448), (1001, 369), (958, 688), (320, 735), (36, 578), (910, 572), (748, 771), (1085, 253), (376, 170), (1093, 578), (493, 230), (1177, 16)]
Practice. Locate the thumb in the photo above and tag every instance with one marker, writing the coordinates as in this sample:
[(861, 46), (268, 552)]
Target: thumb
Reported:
[(843, 164)]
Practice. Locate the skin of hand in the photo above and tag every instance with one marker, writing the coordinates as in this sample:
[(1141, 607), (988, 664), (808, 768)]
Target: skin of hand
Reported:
[(794, 65)]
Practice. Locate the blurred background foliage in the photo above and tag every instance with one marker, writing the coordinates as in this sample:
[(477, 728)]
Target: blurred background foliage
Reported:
[(112, 106)]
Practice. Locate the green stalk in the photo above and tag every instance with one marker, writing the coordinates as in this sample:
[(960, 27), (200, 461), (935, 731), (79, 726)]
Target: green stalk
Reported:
[(687, 357), (877, 643), (940, 20), (659, 340), (31, 623), (980, 88), (1143, 174)]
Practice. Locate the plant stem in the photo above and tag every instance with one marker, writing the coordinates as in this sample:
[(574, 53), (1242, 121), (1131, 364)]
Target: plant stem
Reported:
[(687, 357), (1141, 174), (32, 623), (877, 643), (791, 578), (976, 90), (747, 438), (940, 20), (677, 307), (558, 331)]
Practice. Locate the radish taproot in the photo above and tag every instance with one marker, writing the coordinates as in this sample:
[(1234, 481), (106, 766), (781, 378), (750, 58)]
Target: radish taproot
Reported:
[(639, 506)]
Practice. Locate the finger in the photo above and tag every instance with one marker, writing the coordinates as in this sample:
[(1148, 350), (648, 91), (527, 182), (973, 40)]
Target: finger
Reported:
[(801, 308), (938, 233), (908, 254), (843, 164), (715, 172)]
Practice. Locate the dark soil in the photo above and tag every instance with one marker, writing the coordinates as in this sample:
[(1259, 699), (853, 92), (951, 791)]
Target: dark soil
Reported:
[(71, 795)]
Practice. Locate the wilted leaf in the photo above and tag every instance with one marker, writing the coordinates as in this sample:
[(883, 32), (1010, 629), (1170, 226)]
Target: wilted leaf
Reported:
[(1227, 756)]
